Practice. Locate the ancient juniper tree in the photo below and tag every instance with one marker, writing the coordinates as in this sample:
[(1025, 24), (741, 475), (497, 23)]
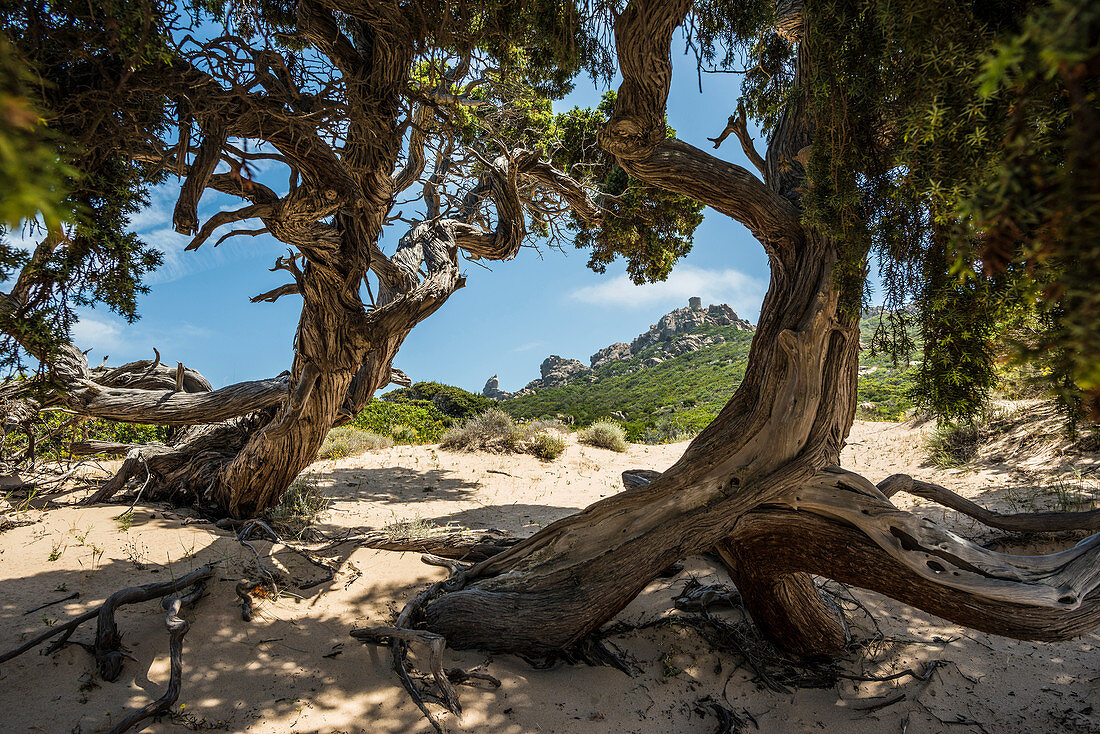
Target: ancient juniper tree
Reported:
[(433, 118), (761, 485)]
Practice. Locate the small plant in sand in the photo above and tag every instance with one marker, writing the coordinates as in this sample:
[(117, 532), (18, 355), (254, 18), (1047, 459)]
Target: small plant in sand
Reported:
[(125, 521), (301, 506), (604, 434), (349, 441), (950, 446), (547, 445), (953, 445)]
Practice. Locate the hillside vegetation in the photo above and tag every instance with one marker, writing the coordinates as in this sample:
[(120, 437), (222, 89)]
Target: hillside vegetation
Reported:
[(683, 394)]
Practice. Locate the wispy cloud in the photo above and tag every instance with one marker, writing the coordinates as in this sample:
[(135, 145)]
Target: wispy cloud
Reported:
[(91, 332), (154, 225), (109, 335), (528, 347), (743, 292)]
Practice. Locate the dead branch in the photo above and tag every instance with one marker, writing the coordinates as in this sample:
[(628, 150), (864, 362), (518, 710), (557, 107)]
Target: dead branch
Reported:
[(467, 545), (175, 407), (275, 294), (108, 639), (185, 218), (1023, 522), (738, 126)]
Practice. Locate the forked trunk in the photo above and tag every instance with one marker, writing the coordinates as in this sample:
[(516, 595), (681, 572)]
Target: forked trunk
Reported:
[(786, 421)]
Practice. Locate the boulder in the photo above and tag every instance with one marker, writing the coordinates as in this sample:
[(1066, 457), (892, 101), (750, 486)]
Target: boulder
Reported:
[(557, 371)]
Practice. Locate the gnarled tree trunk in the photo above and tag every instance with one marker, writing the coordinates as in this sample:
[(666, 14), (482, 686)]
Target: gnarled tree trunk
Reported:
[(759, 485)]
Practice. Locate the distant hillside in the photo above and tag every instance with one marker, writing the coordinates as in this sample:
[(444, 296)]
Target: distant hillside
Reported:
[(676, 377)]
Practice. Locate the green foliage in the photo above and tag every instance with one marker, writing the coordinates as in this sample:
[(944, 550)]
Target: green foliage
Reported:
[(650, 227), (452, 401), (401, 433), (95, 89), (32, 181), (604, 434), (955, 144), (347, 441), (1038, 207), (422, 416), (52, 440)]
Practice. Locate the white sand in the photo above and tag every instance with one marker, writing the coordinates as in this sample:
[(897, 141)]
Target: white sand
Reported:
[(271, 675)]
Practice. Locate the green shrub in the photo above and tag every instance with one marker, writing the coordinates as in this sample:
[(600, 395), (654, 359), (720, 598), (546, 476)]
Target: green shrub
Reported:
[(547, 445), (302, 504), (452, 401), (604, 434), (404, 434), (421, 415), (349, 441), (668, 431)]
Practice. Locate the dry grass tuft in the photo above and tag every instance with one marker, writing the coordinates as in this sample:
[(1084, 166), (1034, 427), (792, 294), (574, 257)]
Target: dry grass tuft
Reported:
[(300, 507), (494, 431)]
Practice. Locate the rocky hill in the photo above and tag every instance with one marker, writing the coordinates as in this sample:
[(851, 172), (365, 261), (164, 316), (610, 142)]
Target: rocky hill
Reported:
[(678, 332), (673, 379)]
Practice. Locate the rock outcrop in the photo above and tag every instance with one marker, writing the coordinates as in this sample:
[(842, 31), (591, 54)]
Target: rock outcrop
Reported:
[(492, 389), (674, 334), (556, 372), (617, 352)]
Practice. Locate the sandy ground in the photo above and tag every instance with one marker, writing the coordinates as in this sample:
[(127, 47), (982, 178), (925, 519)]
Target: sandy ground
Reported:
[(294, 668)]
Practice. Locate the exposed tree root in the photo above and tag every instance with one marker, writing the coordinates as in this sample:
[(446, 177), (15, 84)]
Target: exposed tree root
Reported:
[(403, 632), (1024, 522), (177, 628), (269, 580), (108, 640)]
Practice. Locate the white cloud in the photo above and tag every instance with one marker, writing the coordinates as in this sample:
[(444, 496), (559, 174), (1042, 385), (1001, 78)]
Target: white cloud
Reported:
[(743, 292), (528, 347), (99, 334)]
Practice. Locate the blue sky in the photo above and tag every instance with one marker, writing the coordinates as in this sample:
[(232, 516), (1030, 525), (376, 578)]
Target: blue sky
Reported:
[(505, 321)]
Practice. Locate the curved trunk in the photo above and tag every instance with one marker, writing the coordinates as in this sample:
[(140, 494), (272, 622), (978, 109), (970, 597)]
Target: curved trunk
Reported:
[(329, 351), (787, 420)]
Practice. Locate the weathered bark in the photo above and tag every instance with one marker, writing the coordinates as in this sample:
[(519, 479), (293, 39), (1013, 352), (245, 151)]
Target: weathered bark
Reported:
[(787, 419), (755, 485)]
